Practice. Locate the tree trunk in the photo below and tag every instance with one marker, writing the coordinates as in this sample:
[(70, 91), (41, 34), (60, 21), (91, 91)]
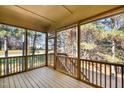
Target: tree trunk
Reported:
[(33, 49), (113, 57), (6, 66)]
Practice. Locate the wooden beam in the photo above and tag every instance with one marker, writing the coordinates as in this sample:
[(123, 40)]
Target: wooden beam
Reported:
[(67, 9), (78, 52), (46, 49), (55, 50)]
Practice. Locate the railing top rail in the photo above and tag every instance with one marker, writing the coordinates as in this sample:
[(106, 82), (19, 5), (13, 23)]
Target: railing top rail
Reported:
[(101, 62), (50, 53), (67, 57), (11, 57), (35, 55)]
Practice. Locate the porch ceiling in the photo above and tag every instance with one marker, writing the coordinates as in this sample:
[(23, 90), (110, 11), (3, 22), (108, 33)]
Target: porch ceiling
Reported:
[(49, 17)]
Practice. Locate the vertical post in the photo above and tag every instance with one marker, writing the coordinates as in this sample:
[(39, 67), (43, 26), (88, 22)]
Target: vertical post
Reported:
[(46, 49), (55, 50), (26, 50), (78, 51)]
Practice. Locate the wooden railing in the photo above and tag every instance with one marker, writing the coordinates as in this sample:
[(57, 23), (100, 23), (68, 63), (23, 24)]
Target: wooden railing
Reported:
[(36, 61), (12, 65), (99, 74), (51, 59), (67, 65), (103, 74)]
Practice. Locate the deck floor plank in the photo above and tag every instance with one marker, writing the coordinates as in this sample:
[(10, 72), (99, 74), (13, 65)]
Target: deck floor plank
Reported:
[(41, 80), (6, 82), (22, 83), (35, 79), (55, 79), (11, 82), (26, 81), (1, 83), (16, 81), (44, 77), (51, 80), (30, 80)]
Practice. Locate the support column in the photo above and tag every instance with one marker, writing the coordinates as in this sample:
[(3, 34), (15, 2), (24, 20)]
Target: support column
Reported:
[(55, 50), (26, 50), (46, 64), (78, 50)]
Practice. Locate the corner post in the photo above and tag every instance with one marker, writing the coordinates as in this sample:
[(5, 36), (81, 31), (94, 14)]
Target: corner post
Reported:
[(78, 50), (46, 63), (26, 50), (55, 50)]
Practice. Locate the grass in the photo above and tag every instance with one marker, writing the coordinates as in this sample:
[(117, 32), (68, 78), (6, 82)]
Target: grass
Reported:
[(19, 52), (88, 46)]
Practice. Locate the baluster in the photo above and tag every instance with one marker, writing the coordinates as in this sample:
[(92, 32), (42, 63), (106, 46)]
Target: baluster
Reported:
[(14, 65), (105, 75), (89, 70), (16, 61), (38, 61), (34, 64), (100, 75), (10, 65), (71, 66), (96, 74), (4, 66), (116, 82), (110, 76), (50, 59), (75, 68), (92, 72), (0, 67), (122, 76), (22, 64), (86, 68), (19, 64), (83, 68)]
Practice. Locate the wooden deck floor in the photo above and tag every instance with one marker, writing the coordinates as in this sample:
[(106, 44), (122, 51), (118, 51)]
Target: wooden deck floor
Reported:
[(41, 78)]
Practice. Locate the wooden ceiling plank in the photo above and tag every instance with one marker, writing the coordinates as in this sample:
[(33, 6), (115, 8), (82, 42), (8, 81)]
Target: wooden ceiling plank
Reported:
[(36, 14)]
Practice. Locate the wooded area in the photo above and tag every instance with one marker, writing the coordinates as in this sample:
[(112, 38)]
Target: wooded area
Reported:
[(12, 41), (101, 40)]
